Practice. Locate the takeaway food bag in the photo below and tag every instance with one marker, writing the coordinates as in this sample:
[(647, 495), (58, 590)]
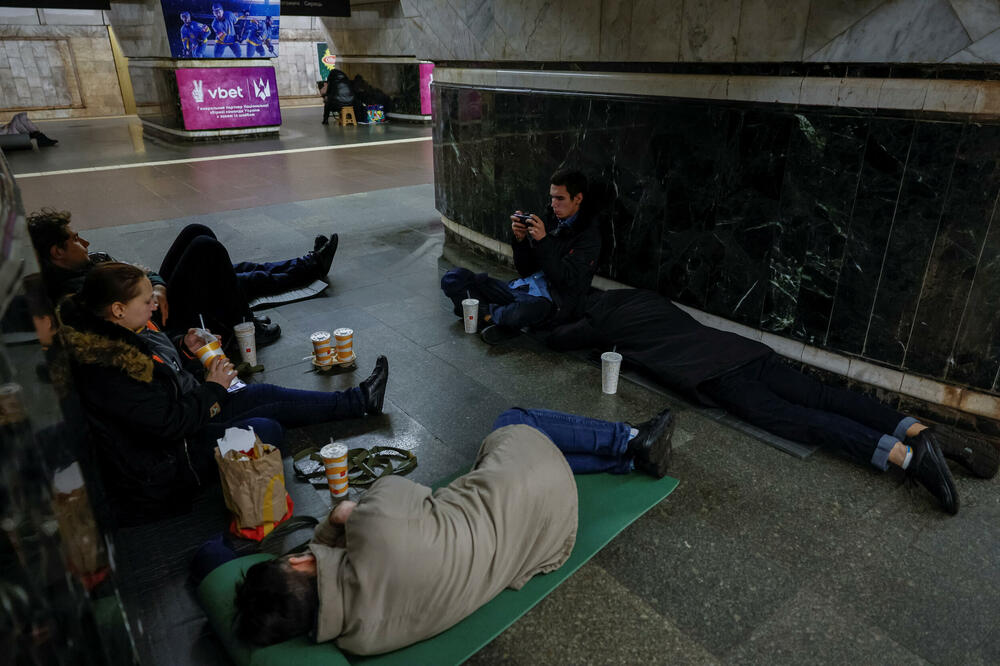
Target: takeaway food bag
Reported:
[(253, 483)]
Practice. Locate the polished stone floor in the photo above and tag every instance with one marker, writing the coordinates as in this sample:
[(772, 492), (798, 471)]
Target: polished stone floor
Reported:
[(758, 556)]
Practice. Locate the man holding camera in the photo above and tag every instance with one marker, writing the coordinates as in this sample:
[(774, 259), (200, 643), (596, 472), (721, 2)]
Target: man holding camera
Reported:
[(556, 257)]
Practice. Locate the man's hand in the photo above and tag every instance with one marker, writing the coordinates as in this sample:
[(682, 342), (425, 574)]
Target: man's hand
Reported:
[(160, 292), (519, 228), (536, 228), (221, 371)]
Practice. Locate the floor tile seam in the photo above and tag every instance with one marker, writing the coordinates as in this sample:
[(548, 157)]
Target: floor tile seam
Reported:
[(219, 158)]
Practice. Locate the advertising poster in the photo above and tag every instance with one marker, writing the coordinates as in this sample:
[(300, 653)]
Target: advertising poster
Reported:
[(224, 29), (426, 78), (327, 61), (225, 97)]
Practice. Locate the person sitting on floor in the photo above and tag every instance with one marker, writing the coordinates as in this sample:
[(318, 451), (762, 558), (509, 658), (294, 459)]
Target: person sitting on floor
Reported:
[(719, 368), (406, 562), (556, 258), (196, 272), (20, 124), (156, 423)]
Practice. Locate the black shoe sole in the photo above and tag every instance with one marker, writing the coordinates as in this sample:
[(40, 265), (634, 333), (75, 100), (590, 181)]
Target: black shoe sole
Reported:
[(379, 400)]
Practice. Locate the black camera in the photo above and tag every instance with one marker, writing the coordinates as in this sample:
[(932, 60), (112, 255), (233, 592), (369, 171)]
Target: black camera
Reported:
[(523, 218)]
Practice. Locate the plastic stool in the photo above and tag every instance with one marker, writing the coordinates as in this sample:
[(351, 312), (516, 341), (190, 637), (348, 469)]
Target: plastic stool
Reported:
[(347, 116)]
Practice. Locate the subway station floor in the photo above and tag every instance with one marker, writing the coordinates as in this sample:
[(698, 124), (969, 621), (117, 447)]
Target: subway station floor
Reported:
[(758, 556)]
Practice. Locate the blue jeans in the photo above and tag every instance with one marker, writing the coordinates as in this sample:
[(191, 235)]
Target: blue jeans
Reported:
[(270, 409), (770, 394), (590, 445), (513, 308)]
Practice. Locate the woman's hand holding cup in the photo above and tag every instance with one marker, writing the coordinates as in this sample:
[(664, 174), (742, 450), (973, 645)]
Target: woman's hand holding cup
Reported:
[(221, 371)]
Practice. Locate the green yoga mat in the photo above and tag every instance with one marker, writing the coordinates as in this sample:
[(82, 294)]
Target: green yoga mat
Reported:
[(608, 504)]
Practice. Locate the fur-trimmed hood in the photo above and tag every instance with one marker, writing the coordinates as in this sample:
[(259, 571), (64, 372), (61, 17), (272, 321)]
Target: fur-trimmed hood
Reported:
[(90, 340)]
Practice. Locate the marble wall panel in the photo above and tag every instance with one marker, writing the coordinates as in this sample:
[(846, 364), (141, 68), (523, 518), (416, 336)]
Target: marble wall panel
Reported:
[(979, 17), (915, 223), (853, 231), (709, 30), (884, 158), (925, 31), (616, 29), (656, 30), (816, 203), (771, 31), (958, 246), (830, 18)]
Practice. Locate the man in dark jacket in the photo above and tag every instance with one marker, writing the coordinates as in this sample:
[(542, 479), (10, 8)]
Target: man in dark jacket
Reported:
[(555, 256), (719, 368), (197, 272)]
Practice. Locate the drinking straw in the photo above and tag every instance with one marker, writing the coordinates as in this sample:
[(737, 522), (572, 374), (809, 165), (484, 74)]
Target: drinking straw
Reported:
[(202, 319)]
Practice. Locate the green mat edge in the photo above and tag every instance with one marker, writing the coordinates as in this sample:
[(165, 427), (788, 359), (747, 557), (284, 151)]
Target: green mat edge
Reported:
[(608, 504)]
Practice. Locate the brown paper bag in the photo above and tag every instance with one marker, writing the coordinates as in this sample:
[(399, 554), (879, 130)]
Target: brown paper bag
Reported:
[(254, 490)]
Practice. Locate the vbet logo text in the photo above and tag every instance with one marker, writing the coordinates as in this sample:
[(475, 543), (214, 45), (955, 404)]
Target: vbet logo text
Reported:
[(261, 89)]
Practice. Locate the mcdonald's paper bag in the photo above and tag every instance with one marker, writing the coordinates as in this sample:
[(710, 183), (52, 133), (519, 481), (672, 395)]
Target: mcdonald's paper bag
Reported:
[(253, 483)]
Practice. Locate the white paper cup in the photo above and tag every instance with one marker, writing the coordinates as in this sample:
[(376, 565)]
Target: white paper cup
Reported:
[(248, 341), (611, 364), (470, 314)]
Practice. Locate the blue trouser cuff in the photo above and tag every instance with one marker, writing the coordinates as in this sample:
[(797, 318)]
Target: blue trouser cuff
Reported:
[(904, 425), (881, 456)]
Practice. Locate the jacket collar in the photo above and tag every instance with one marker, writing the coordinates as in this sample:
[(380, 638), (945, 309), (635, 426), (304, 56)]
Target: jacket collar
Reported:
[(329, 564), (90, 340)]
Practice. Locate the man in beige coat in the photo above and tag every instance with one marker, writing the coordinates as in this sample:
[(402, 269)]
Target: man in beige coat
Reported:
[(406, 563)]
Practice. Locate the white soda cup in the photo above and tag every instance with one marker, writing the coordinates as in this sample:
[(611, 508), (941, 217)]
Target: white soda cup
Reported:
[(470, 314), (611, 364), (248, 341)]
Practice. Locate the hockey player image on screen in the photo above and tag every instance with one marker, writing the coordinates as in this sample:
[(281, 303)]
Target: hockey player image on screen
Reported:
[(193, 36), (251, 30), (224, 26)]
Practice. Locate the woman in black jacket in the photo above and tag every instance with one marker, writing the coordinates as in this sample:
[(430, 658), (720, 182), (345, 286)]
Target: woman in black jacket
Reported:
[(156, 424)]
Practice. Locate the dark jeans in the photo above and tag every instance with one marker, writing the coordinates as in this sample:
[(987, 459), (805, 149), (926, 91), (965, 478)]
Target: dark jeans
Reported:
[(202, 279), (770, 394), (590, 445), (513, 308), (270, 409)]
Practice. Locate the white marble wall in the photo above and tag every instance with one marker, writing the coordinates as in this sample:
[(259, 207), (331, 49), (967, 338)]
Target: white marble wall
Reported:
[(884, 31), (57, 71)]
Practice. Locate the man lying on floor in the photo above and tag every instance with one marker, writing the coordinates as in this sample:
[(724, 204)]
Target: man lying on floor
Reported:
[(406, 563), (747, 378)]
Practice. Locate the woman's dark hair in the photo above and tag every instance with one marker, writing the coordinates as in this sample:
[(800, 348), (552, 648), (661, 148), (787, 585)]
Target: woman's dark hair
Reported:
[(109, 282), (274, 603)]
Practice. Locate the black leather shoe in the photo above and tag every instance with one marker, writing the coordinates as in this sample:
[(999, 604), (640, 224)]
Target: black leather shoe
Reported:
[(976, 454), (373, 388), (265, 334), (324, 256), (495, 334), (929, 468), (652, 448), (263, 319), (319, 242)]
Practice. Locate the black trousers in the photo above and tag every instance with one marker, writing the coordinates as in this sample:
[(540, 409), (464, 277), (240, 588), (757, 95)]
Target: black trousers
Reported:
[(770, 394)]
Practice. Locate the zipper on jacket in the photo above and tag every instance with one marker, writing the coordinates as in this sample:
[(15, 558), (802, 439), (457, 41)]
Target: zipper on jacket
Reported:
[(187, 455)]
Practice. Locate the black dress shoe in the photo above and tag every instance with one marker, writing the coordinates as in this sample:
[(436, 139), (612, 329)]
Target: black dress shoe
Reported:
[(652, 448), (265, 334), (263, 319), (976, 454), (319, 242), (324, 256), (495, 334), (929, 468), (373, 388)]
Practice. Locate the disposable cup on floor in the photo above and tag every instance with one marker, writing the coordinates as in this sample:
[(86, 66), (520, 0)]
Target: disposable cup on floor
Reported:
[(335, 461), (248, 341), (611, 364), (470, 314), (322, 350), (345, 343)]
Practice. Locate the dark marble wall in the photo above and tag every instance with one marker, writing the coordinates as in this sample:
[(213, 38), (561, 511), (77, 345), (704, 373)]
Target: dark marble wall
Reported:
[(854, 231)]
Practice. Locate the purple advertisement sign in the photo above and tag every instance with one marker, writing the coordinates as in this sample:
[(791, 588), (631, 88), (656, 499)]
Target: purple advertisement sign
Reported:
[(223, 97), (426, 76)]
